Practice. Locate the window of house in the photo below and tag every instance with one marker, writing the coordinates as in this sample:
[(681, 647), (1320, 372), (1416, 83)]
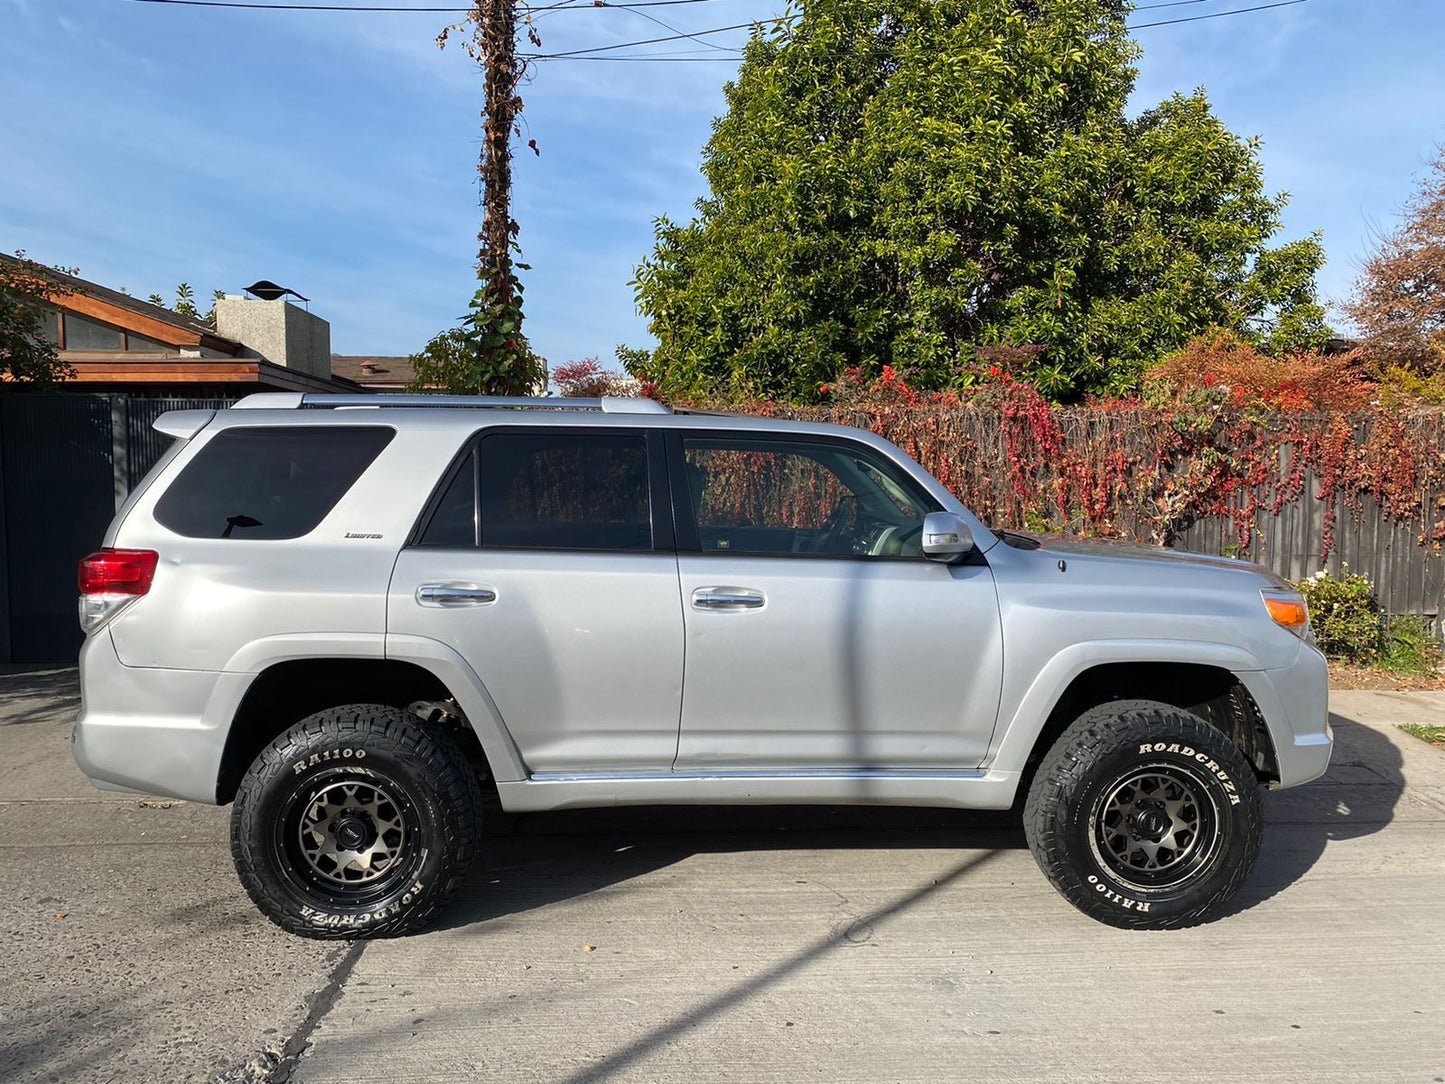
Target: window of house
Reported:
[(564, 491), (139, 344), (50, 326), (268, 482), (83, 333)]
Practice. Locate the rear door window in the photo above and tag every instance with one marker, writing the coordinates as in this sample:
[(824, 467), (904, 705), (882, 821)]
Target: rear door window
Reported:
[(564, 491), (268, 482)]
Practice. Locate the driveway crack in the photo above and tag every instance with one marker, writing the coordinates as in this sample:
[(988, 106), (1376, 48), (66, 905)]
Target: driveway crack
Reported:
[(321, 1004)]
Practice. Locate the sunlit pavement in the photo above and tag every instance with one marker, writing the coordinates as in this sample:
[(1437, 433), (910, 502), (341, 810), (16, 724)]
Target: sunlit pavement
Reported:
[(738, 945)]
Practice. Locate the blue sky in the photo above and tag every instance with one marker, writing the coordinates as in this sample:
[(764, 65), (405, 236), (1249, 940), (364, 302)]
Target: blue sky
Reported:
[(335, 153)]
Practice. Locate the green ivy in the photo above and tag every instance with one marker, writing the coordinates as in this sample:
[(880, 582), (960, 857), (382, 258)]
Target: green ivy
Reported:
[(487, 354)]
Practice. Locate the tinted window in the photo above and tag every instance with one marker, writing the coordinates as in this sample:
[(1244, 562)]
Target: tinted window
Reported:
[(764, 497), (546, 491), (454, 523), (84, 334), (268, 482)]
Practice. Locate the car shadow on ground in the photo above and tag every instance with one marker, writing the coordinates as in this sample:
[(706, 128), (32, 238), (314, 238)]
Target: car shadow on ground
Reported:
[(545, 858), (539, 859), (31, 693), (1357, 797)]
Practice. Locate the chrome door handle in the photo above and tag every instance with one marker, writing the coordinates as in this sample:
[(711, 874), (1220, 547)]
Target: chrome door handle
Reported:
[(454, 594), (727, 598)]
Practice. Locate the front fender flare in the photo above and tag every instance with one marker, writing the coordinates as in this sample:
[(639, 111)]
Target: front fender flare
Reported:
[(1022, 719)]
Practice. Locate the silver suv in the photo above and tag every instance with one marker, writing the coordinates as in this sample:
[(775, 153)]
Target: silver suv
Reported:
[(353, 616)]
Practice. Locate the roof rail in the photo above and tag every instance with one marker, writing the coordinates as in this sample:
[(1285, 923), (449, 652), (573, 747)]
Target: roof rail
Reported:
[(608, 404)]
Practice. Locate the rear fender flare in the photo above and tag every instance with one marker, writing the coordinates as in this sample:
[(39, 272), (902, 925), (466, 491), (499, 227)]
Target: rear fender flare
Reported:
[(441, 661)]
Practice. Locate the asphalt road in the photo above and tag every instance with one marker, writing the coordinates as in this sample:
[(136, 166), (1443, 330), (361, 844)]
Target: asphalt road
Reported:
[(726, 945)]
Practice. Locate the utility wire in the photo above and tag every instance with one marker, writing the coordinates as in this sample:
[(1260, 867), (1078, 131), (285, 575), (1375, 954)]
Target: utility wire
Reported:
[(260, 5), (645, 41), (697, 36), (1219, 14), (586, 54), (676, 30), (254, 6)]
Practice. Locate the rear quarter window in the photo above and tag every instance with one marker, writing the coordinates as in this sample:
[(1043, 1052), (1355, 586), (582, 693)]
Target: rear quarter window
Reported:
[(268, 482)]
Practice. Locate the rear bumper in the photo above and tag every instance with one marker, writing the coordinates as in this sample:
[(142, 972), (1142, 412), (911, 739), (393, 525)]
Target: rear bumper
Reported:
[(1295, 702), (144, 729)]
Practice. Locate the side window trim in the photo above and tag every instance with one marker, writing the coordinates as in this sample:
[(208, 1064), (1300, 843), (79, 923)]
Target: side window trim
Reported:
[(689, 540), (660, 510), (438, 494), (684, 515)]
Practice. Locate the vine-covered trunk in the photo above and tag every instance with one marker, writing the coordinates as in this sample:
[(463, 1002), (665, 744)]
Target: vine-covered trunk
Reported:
[(496, 31)]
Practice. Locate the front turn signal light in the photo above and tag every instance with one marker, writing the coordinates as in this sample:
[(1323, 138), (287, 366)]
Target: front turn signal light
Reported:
[(1288, 610)]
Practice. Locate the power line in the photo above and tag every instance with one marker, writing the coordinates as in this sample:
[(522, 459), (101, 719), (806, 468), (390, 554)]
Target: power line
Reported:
[(677, 30), (266, 5), (249, 5), (589, 54), (1170, 4), (1219, 14), (678, 35), (295, 7), (645, 41)]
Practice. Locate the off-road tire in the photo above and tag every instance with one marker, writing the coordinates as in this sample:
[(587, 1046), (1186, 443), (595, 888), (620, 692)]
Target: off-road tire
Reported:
[(1123, 778), (396, 789)]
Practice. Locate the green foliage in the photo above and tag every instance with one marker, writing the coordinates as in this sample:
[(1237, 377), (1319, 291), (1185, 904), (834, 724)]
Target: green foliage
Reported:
[(486, 355), (1435, 735), (27, 355), (186, 304), (1400, 386), (1410, 646), (635, 361), (904, 182), (1344, 615)]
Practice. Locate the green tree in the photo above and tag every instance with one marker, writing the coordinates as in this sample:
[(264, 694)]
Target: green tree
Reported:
[(27, 293), (902, 181), (486, 355)]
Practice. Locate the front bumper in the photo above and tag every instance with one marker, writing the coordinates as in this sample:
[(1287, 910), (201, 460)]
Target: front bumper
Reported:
[(144, 729), (1295, 703)]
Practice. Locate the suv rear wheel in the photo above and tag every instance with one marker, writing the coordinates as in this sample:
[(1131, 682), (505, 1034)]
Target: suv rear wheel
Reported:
[(1144, 816), (359, 821)]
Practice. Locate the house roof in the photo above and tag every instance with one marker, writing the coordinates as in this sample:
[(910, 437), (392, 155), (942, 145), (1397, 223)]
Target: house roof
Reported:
[(143, 318), (368, 369)]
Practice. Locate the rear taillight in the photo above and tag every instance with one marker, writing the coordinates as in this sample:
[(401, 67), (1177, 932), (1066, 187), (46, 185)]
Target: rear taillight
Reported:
[(118, 572), (110, 580)]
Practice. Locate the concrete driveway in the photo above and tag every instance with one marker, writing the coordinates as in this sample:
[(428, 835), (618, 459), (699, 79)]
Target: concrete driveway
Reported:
[(726, 945)]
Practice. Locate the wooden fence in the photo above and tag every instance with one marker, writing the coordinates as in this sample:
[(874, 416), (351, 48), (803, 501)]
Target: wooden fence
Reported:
[(1280, 497)]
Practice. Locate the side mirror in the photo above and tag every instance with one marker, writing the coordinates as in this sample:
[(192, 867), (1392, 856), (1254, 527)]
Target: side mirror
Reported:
[(945, 537)]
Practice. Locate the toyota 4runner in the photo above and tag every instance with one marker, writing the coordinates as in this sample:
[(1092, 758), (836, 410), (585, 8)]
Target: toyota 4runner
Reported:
[(351, 616)]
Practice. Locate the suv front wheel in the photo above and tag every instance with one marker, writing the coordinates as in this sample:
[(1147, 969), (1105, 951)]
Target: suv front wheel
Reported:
[(359, 821), (1144, 816)]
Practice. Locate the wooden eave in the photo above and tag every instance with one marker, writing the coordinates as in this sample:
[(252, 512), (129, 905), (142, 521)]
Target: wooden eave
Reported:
[(140, 324), (159, 369)]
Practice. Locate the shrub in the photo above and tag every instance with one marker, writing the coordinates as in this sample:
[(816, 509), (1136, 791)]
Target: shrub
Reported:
[(1410, 646), (1223, 369), (1345, 616), (586, 379)]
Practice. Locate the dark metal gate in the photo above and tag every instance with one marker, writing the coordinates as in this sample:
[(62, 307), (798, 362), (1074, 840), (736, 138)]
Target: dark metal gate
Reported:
[(66, 464)]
